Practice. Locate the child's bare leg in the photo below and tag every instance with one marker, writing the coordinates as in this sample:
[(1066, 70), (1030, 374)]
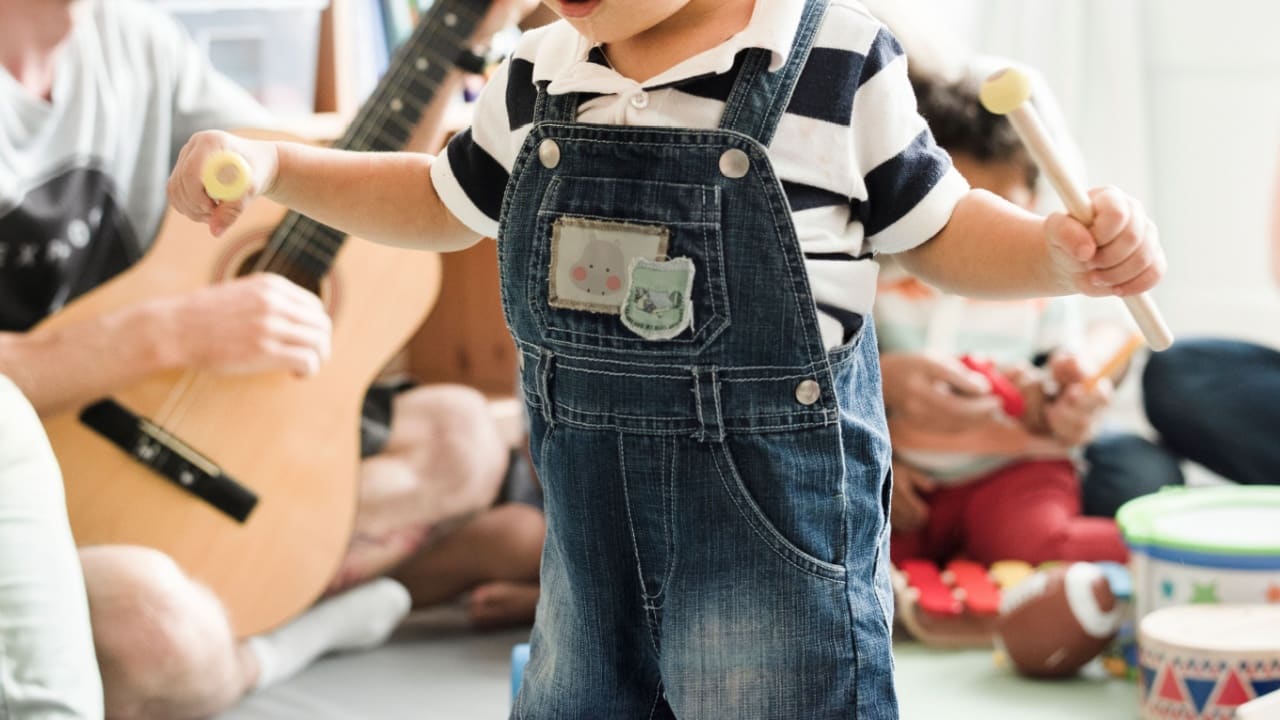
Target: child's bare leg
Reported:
[(496, 554), (443, 461)]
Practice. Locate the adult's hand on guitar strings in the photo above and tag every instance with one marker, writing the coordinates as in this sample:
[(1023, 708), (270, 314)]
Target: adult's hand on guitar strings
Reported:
[(186, 189), (258, 323)]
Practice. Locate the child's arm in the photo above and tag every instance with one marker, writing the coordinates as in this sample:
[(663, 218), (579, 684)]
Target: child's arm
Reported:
[(384, 197), (992, 249)]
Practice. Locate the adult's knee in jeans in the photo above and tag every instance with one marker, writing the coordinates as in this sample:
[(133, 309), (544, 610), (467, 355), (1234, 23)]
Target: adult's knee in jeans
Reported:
[(1174, 384), (163, 643)]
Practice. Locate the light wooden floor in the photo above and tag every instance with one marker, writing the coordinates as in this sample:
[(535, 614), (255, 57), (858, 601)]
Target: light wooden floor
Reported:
[(433, 670)]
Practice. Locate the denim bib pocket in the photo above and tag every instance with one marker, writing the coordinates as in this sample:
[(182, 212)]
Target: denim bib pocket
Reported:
[(683, 219)]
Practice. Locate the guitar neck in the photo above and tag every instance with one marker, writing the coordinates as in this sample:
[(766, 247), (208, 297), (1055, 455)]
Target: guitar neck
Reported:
[(415, 74), (384, 123)]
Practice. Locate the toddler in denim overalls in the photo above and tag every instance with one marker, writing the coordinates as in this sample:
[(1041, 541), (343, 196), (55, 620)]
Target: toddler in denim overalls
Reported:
[(716, 483), (716, 473)]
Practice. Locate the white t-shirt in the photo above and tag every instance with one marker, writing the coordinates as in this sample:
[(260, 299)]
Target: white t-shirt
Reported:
[(857, 162), (912, 317), (82, 177)]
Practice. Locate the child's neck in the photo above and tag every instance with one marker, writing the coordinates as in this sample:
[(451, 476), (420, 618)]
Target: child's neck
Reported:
[(695, 28)]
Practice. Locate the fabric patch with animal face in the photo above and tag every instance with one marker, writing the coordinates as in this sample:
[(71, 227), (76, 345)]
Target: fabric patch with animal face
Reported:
[(658, 306), (589, 261)]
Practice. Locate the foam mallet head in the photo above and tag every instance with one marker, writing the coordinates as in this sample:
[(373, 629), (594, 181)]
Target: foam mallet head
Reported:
[(225, 176), (1008, 92)]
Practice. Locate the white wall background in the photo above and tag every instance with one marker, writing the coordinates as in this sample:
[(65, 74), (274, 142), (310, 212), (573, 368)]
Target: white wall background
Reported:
[(1177, 101)]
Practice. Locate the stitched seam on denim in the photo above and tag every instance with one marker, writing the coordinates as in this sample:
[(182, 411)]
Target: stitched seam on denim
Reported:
[(845, 516), (786, 231), (786, 86), (542, 450), (741, 91), (687, 426), (737, 421), (809, 368), (715, 394), (657, 693), (729, 380), (651, 619), (670, 496), (665, 136), (771, 537), (697, 404), (545, 214), (544, 389), (823, 414)]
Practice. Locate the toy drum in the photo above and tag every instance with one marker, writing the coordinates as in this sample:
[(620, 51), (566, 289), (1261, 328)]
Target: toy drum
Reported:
[(1203, 545), (1201, 662)]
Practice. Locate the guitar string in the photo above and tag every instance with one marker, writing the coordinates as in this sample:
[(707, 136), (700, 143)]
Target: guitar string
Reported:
[(184, 395), (402, 77)]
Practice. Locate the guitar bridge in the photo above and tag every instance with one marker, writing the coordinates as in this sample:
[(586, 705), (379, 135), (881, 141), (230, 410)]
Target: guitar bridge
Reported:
[(170, 457)]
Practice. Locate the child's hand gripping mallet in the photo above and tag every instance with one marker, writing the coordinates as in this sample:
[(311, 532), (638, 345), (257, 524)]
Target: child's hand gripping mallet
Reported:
[(1007, 92), (225, 176)]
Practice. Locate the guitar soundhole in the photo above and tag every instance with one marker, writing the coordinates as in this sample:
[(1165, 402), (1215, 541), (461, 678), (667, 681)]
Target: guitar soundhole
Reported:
[(281, 265)]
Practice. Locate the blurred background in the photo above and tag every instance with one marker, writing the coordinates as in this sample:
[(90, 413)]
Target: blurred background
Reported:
[(1178, 102)]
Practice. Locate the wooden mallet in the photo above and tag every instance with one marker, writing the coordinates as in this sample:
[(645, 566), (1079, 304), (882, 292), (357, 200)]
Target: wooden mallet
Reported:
[(1008, 92)]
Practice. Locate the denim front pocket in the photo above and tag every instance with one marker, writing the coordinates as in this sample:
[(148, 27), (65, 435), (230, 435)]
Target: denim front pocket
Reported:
[(787, 487), (687, 216)]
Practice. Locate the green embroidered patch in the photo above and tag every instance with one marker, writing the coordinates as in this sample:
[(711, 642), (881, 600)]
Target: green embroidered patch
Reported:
[(657, 304)]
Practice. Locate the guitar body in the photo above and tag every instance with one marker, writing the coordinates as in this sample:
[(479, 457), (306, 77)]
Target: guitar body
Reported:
[(293, 442)]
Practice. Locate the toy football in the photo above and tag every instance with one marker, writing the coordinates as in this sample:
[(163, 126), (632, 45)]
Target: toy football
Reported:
[(1057, 620)]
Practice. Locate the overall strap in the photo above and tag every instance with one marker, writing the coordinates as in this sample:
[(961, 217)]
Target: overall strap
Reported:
[(554, 108), (759, 97)]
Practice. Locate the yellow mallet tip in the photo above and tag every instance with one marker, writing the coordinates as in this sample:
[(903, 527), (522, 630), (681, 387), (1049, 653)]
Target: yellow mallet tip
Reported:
[(1005, 91), (225, 176)]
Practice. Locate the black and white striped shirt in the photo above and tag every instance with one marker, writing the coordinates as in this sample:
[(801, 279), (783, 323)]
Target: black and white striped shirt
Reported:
[(856, 161)]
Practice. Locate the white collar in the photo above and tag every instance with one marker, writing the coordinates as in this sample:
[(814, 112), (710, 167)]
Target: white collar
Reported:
[(772, 27)]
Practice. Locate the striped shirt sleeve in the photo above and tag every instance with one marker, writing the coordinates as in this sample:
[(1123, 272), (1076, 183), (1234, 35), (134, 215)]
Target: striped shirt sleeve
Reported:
[(471, 175), (910, 186)]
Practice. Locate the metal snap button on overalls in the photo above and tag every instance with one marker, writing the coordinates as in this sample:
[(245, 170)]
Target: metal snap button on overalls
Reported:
[(549, 153), (734, 163), (808, 392)]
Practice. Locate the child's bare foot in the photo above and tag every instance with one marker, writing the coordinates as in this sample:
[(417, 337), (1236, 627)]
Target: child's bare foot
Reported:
[(369, 556), (502, 603)]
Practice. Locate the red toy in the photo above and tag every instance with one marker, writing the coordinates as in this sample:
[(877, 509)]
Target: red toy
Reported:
[(1014, 404), (957, 607), (1057, 620)]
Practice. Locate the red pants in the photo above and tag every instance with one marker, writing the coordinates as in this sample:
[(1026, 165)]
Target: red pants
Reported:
[(1028, 511)]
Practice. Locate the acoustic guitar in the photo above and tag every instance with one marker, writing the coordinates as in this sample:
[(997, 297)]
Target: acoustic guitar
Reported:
[(250, 482)]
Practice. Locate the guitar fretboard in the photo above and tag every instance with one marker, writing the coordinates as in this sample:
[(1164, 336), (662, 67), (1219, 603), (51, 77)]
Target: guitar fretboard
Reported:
[(300, 245)]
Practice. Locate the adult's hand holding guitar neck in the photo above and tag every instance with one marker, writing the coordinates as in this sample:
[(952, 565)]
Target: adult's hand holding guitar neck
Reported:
[(216, 176)]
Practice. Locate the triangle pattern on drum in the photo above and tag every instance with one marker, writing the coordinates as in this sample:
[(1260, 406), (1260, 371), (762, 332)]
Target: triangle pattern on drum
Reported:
[(1169, 688), (1200, 691), (1233, 692)]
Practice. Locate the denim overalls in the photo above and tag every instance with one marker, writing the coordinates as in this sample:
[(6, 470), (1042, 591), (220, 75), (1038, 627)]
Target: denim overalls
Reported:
[(717, 483)]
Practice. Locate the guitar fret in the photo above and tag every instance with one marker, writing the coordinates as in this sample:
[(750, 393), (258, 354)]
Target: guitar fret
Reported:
[(388, 118)]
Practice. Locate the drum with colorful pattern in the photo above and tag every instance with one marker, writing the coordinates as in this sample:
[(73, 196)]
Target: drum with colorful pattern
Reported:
[(1203, 546), (1201, 662)]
